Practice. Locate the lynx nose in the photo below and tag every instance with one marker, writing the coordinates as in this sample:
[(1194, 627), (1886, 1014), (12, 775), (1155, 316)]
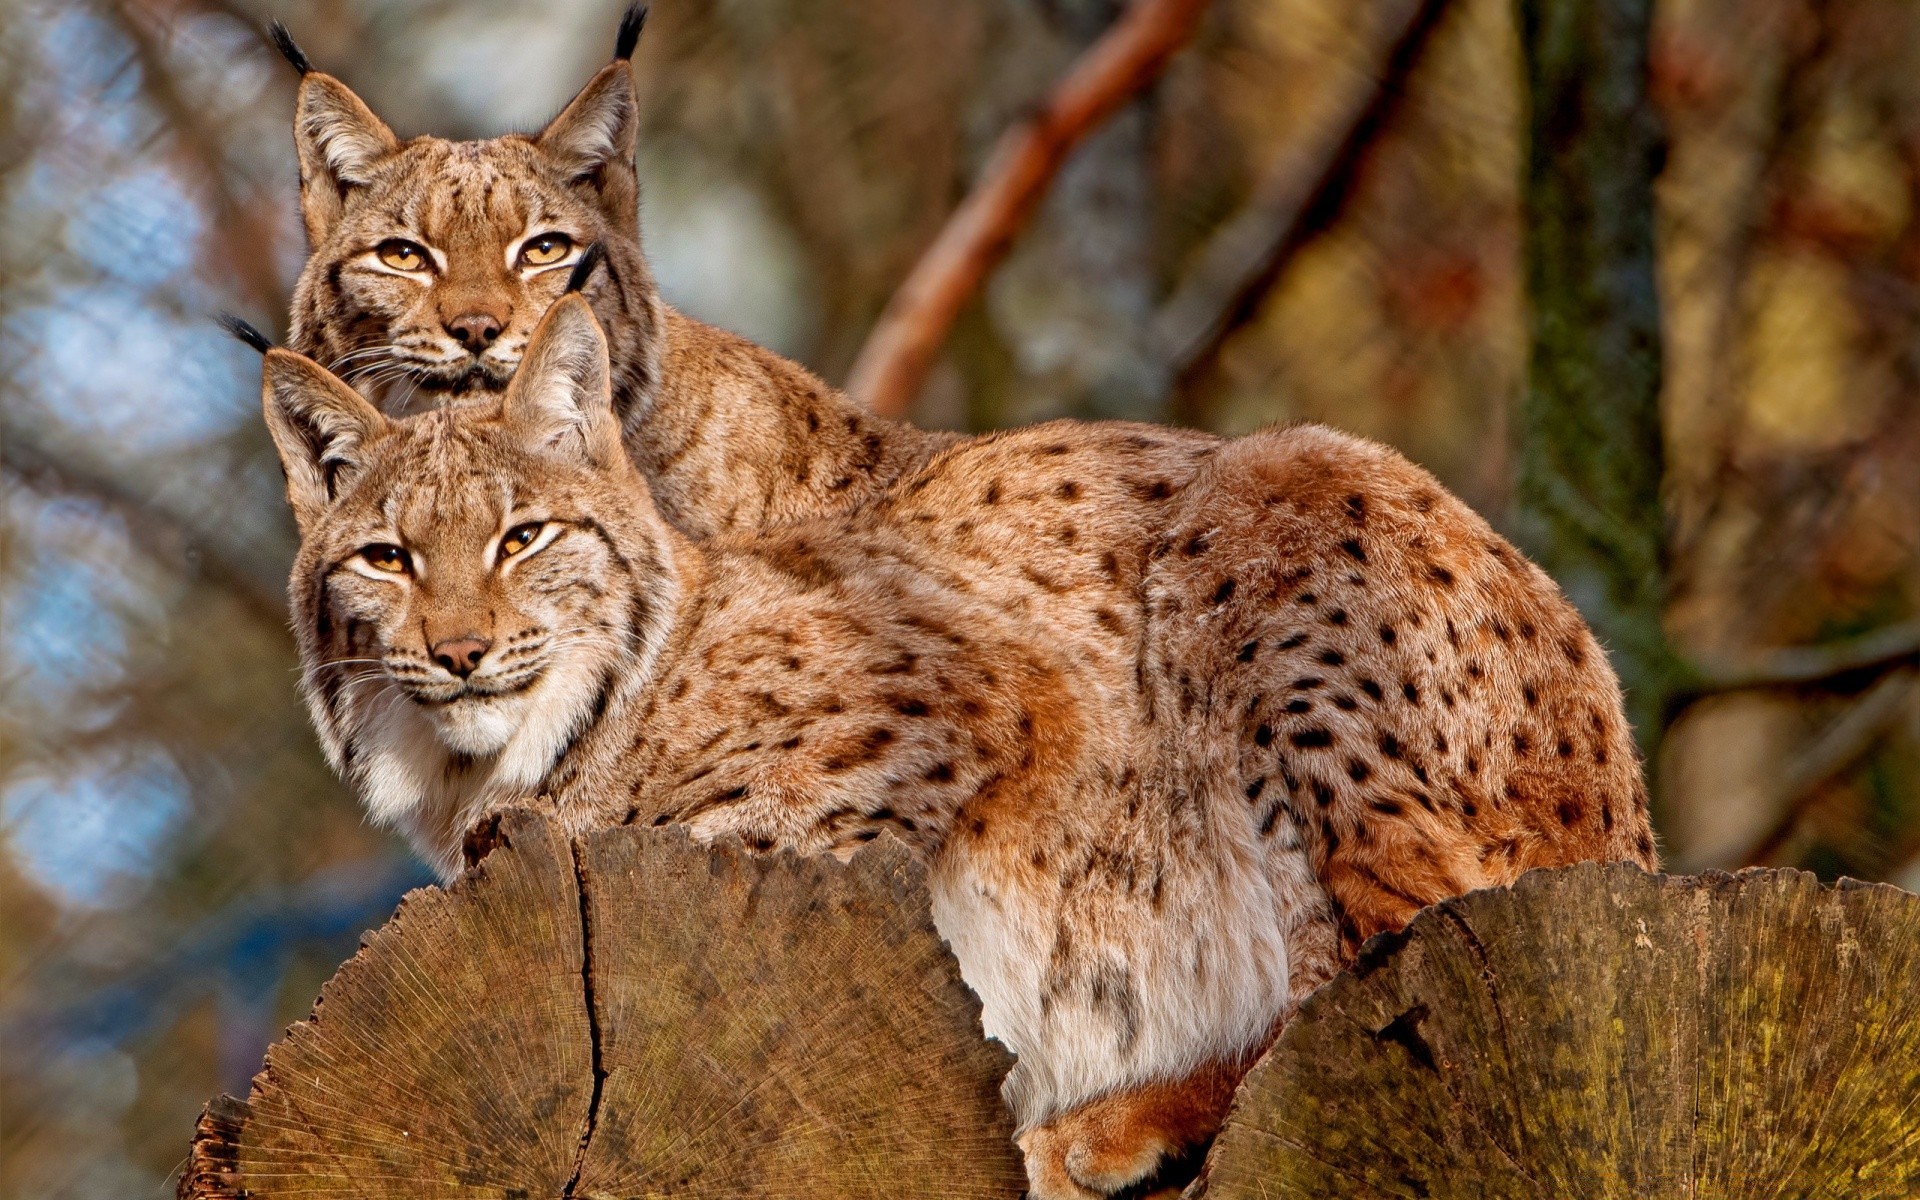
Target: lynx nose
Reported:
[(462, 654), (475, 330)]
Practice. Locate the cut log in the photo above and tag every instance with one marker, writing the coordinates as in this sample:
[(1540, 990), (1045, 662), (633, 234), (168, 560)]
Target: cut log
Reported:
[(632, 1015), (1598, 1031)]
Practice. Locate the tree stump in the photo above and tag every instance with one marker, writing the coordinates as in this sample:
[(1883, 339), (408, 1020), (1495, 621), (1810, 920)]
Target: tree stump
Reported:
[(1598, 1031), (632, 1015)]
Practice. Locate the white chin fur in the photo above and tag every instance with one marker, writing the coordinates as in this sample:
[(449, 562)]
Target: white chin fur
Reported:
[(511, 743), (480, 725)]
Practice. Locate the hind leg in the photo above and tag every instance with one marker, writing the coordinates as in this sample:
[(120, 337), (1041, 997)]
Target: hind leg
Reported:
[(1130, 1137)]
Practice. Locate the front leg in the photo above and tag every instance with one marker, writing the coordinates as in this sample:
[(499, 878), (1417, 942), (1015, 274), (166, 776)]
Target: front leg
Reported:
[(828, 821), (1139, 1140)]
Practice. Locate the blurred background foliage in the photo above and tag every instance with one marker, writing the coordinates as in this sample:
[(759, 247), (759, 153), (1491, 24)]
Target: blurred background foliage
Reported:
[(179, 871)]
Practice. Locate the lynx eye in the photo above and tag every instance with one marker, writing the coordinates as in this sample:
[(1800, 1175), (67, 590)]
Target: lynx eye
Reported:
[(401, 255), (545, 250), (520, 537), (389, 558)]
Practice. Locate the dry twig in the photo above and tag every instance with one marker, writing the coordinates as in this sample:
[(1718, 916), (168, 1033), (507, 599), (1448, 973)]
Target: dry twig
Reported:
[(1884, 649), (1132, 54), (1300, 193), (148, 27), (165, 530), (1837, 747)]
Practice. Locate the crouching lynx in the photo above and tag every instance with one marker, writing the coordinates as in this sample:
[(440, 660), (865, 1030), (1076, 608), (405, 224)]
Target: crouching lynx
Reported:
[(1167, 775)]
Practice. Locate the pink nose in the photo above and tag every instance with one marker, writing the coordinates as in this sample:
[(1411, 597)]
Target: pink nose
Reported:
[(475, 330), (462, 654)]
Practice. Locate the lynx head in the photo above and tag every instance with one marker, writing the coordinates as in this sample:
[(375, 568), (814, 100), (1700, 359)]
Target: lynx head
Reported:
[(431, 261), (474, 583)]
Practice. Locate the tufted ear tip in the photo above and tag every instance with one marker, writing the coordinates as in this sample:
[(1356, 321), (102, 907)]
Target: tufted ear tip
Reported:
[(321, 428), (289, 49), (598, 126), (561, 398), (240, 329), (570, 328), (631, 23), (590, 260), (340, 144)]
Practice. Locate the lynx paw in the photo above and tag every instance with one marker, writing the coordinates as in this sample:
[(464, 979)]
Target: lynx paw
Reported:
[(1074, 1158), (1141, 1143)]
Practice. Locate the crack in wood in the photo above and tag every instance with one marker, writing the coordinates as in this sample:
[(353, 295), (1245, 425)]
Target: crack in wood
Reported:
[(593, 1020), (1404, 1031)]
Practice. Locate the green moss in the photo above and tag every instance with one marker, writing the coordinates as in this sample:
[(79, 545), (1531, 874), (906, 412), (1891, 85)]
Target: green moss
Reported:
[(1590, 456)]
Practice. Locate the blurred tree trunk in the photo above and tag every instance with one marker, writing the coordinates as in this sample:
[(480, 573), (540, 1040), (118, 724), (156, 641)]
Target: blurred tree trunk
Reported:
[(1589, 506)]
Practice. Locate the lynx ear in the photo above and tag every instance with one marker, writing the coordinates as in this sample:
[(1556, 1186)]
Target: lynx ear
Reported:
[(561, 398), (322, 428), (340, 143), (597, 127)]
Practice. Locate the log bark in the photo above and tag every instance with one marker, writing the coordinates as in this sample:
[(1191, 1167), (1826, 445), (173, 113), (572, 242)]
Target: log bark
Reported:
[(632, 1015), (1598, 1031)]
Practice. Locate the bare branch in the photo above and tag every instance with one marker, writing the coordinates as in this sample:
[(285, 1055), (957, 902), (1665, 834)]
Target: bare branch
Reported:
[(1884, 649), (1702, 492), (1838, 746), (1303, 189), (249, 573), (894, 362), (147, 27)]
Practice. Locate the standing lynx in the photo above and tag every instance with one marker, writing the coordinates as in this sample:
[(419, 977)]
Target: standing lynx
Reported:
[(1173, 743)]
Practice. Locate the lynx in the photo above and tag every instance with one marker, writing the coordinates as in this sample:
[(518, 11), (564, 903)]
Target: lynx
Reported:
[(1174, 736), (430, 261)]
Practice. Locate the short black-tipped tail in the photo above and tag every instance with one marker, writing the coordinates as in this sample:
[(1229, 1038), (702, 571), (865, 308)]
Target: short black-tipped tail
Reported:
[(245, 332), (289, 49), (583, 270), (631, 23)]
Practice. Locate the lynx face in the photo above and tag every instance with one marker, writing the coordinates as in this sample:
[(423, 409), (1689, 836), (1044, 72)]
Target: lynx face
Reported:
[(468, 592), (442, 287), (432, 261), (469, 586)]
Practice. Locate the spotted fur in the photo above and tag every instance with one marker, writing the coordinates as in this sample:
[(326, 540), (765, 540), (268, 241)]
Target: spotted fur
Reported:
[(1163, 794), (1178, 722)]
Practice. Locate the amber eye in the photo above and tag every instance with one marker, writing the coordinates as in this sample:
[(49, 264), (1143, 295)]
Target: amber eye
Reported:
[(545, 250), (388, 558), (520, 537), (402, 255)]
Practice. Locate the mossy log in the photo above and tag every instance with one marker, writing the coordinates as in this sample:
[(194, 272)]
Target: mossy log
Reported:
[(632, 1015), (629, 1015), (1601, 1032)]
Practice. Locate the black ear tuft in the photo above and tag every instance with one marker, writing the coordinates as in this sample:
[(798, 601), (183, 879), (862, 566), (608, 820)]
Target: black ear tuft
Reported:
[(283, 41), (590, 258), (245, 332), (631, 23)]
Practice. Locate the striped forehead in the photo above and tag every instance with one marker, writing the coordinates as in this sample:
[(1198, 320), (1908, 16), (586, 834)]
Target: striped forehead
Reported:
[(473, 196), (458, 514), (477, 188), (445, 485)]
